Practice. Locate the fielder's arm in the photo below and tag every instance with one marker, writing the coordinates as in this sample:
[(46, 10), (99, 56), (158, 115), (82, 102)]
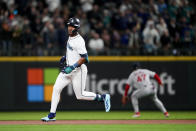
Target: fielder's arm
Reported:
[(125, 97), (158, 79), (126, 89)]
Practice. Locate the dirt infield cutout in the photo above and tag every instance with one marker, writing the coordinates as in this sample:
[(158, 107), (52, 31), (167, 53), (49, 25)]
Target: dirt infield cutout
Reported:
[(87, 122)]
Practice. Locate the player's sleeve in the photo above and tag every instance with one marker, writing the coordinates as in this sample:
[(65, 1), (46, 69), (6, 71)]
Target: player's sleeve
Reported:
[(85, 56), (127, 86), (155, 76), (150, 73), (81, 48), (158, 79)]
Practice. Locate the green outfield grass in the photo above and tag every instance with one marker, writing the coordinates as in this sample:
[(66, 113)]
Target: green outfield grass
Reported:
[(99, 115), (165, 127)]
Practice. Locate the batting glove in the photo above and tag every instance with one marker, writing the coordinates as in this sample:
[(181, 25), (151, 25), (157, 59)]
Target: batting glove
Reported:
[(69, 69)]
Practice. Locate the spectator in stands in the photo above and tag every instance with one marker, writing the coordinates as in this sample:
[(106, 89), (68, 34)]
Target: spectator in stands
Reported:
[(37, 26), (186, 10), (106, 18), (27, 41), (125, 39), (165, 41), (125, 5), (94, 16), (173, 28), (153, 6), (134, 39), (162, 26), (87, 5), (173, 9), (106, 39), (122, 21), (50, 39), (5, 38), (162, 6), (151, 38), (16, 40), (84, 25), (112, 20), (96, 44), (62, 36), (143, 15), (115, 39), (40, 49), (188, 38), (176, 43), (53, 4)]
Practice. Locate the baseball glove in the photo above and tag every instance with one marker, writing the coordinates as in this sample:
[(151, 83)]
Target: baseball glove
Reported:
[(62, 62), (124, 99)]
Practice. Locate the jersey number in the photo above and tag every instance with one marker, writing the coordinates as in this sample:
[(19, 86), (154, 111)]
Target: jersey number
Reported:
[(141, 77)]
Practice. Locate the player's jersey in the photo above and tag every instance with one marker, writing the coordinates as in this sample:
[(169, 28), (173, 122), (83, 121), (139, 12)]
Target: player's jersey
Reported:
[(75, 47), (140, 78)]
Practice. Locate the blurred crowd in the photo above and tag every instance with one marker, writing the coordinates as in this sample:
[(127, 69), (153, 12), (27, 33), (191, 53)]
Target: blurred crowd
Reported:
[(109, 27)]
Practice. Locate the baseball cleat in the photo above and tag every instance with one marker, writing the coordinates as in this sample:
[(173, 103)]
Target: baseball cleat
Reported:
[(46, 119), (136, 115), (50, 117), (107, 103), (166, 114)]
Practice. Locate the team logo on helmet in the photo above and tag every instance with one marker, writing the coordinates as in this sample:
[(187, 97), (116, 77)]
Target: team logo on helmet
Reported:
[(75, 22)]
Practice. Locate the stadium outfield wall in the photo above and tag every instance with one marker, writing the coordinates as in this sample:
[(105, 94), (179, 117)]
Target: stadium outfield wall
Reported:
[(26, 82)]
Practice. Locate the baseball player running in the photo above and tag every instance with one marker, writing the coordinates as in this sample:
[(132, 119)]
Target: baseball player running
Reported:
[(74, 71), (141, 86)]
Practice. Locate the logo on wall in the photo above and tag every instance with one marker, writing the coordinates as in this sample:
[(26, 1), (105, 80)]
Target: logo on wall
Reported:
[(41, 80), (40, 83)]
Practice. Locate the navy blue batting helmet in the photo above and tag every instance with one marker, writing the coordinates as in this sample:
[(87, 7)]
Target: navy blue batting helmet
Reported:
[(75, 22)]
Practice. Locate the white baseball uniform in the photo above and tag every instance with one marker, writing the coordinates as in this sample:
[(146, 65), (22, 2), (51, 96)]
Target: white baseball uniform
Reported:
[(75, 47), (140, 83)]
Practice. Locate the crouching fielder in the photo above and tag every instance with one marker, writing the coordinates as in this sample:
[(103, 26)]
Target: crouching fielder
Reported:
[(74, 70), (141, 86)]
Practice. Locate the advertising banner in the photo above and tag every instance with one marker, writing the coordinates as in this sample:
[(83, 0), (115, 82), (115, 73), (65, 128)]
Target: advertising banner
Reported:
[(30, 85)]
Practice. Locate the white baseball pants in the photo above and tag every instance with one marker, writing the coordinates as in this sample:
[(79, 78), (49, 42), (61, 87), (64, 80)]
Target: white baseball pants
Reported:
[(148, 91), (78, 80)]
